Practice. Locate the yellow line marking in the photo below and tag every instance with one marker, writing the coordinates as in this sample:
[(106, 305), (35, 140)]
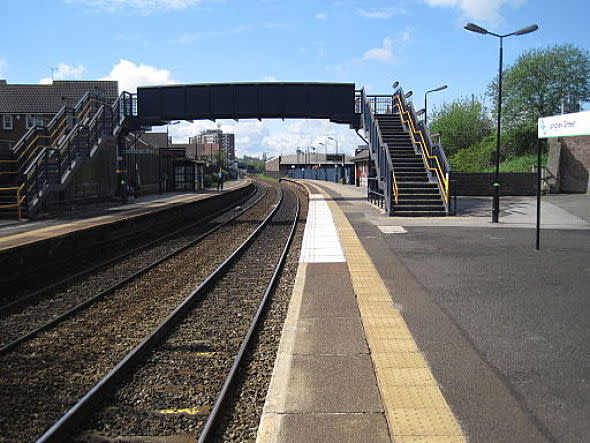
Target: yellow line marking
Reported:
[(415, 408), (197, 410)]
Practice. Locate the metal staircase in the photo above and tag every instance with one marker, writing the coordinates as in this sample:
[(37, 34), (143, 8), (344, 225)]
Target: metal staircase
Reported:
[(412, 177), (46, 157)]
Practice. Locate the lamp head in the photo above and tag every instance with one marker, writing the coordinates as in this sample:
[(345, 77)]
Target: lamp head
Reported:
[(421, 111), (395, 85), (408, 94), (527, 30), (474, 28), (440, 88)]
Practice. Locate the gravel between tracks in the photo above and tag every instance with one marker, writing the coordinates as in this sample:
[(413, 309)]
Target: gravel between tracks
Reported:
[(241, 418), (173, 392), (43, 377), (19, 322)]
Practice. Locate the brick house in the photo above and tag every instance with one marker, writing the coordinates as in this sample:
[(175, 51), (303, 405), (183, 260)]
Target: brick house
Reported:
[(23, 106)]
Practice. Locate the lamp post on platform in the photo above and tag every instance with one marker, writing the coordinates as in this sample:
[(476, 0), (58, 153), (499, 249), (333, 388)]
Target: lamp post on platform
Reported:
[(440, 88), (479, 30)]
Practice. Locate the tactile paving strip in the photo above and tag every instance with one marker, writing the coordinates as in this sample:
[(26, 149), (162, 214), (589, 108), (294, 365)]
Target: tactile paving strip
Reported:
[(415, 408)]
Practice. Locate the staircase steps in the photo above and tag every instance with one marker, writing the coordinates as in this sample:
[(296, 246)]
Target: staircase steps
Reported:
[(418, 196)]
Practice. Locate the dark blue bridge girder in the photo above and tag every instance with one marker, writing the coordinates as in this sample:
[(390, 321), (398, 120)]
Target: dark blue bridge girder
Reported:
[(333, 101)]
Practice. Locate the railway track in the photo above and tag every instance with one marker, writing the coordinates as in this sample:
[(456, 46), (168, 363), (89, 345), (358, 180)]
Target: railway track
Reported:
[(174, 384), (20, 321), (24, 284), (64, 362)]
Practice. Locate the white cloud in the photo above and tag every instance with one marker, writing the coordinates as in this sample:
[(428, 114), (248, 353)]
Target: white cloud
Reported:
[(273, 136), (380, 13), (404, 36), (383, 54), (484, 10), (3, 65), (65, 72), (269, 78), (130, 75), (321, 16), (145, 6)]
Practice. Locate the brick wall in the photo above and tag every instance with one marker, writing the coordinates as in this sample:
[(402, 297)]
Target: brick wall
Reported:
[(574, 164), (480, 183)]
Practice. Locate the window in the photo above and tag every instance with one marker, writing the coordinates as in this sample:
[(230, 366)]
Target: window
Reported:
[(7, 122), (30, 121)]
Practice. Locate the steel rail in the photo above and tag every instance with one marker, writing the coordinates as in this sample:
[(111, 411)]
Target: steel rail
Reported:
[(100, 295), (60, 429), (231, 377), (13, 304)]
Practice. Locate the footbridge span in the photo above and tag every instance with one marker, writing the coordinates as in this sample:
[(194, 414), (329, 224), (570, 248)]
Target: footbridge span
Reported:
[(411, 172)]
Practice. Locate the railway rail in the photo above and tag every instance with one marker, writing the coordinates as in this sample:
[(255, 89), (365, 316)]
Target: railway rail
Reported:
[(175, 382), (64, 362), (100, 248), (59, 302)]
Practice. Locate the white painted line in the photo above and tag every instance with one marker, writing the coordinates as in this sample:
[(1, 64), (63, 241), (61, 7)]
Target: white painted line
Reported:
[(392, 229), (320, 239)]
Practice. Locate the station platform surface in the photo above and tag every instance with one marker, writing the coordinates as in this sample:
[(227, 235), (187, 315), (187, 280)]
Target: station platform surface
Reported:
[(14, 233), (444, 330)]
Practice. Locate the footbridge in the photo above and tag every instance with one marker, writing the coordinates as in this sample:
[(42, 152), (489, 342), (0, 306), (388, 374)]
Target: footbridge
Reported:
[(410, 171)]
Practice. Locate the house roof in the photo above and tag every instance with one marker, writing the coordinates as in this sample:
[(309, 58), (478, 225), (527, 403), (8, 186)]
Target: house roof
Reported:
[(48, 99)]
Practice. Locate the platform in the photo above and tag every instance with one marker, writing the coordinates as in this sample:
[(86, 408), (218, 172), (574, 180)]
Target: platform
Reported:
[(420, 330), (14, 233)]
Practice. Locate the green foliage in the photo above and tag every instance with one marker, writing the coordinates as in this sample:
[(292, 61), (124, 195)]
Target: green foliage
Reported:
[(476, 157), (254, 161), (535, 84), (461, 124), (267, 178), (523, 163), (519, 140)]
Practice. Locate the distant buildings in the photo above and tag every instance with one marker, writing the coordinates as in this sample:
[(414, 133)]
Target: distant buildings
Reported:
[(210, 141)]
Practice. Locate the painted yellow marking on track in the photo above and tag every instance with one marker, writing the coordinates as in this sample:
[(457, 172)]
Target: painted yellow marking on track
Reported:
[(197, 410), (415, 408)]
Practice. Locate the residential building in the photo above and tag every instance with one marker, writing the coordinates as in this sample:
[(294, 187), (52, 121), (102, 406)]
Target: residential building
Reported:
[(211, 136), (24, 106)]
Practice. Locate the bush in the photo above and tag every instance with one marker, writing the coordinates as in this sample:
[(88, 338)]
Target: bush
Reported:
[(476, 157)]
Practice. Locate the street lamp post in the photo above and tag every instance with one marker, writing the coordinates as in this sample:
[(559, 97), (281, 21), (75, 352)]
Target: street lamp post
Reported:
[(478, 29), (440, 88)]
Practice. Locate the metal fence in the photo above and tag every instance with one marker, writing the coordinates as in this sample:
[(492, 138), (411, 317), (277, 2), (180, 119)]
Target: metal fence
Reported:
[(338, 174)]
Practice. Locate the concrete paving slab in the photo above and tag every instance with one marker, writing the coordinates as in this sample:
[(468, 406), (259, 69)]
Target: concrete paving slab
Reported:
[(330, 428), (332, 383), (330, 335)]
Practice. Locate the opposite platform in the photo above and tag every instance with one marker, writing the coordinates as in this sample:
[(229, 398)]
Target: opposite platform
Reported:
[(347, 368), (14, 234)]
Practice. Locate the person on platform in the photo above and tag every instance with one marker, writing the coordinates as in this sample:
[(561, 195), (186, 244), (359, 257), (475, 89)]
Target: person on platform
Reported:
[(220, 180)]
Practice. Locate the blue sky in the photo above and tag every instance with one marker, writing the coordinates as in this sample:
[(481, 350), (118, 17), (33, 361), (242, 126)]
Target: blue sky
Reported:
[(420, 43)]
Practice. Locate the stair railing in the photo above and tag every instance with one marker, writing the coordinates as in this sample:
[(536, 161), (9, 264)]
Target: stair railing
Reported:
[(431, 161), (379, 152), (52, 164)]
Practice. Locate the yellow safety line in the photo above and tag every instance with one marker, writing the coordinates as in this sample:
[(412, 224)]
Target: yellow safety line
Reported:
[(415, 408)]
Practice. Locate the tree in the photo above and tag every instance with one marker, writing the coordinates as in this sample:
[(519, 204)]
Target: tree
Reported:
[(461, 124), (539, 80)]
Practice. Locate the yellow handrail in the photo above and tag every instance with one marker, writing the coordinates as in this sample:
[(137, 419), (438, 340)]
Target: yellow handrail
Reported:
[(395, 187), (443, 182), (19, 199), (31, 151)]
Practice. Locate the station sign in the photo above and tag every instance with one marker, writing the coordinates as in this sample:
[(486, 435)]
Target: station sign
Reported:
[(565, 125)]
